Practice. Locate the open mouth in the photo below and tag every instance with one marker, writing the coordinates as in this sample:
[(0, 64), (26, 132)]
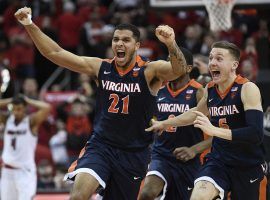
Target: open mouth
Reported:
[(120, 54), (215, 73)]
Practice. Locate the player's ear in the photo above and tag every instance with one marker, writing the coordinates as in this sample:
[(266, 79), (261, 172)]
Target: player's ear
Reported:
[(189, 68), (235, 65), (137, 45)]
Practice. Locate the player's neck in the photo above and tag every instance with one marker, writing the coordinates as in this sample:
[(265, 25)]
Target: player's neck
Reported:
[(179, 83), (128, 64), (222, 87), (18, 121)]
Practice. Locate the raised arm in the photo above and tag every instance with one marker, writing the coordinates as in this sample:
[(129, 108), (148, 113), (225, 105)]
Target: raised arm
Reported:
[(5, 102), (252, 132), (52, 51), (167, 70), (39, 116)]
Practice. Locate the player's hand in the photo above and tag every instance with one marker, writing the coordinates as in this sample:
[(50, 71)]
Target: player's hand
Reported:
[(202, 122), (23, 15), (156, 126), (184, 153), (165, 34)]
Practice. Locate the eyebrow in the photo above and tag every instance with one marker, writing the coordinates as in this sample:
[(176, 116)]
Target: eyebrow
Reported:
[(124, 37)]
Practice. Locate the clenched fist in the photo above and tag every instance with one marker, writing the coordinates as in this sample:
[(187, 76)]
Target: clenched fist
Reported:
[(165, 34), (23, 15)]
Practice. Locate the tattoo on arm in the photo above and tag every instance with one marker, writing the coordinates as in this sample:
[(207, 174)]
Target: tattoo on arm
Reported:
[(177, 58)]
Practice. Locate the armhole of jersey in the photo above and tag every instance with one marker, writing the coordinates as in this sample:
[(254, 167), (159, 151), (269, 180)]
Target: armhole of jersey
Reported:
[(104, 62), (30, 128), (241, 80), (141, 62)]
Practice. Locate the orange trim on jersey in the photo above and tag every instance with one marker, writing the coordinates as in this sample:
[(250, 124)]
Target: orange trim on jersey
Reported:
[(210, 84), (224, 94), (123, 72), (140, 61), (263, 189), (239, 80), (177, 92), (195, 84), (74, 164)]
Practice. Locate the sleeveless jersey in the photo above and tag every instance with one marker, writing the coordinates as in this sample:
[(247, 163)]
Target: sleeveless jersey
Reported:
[(171, 104), (19, 144), (124, 106), (227, 111)]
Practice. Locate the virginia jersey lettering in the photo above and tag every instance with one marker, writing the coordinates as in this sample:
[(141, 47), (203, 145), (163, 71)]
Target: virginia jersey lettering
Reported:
[(20, 144), (124, 106), (171, 104), (227, 111)]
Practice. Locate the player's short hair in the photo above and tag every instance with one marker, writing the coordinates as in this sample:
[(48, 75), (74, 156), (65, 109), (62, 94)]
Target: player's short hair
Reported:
[(233, 49), (130, 27), (18, 99), (188, 56)]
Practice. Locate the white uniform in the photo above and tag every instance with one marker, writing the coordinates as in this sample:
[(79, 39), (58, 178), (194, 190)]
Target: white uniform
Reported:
[(19, 179)]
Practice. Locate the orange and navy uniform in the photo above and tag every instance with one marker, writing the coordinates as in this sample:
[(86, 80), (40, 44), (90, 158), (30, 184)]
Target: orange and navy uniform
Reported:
[(118, 153), (178, 175), (173, 103), (124, 106), (227, 111)]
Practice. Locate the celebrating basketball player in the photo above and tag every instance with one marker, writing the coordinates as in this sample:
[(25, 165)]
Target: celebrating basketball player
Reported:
[(117, 154), (236, 124), (175, 159)]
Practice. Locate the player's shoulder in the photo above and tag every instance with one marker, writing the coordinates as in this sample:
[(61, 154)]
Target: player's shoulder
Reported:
[(195, 84), (142, 61), (249, 87), (241, 80), (211, 84), (108, 60)]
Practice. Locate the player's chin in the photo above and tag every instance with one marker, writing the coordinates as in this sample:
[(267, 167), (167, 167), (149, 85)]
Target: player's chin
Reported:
[(121, 62), (216, 80)]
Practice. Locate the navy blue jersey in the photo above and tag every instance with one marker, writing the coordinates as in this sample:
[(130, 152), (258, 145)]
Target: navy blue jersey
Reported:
[(227, 111), (124, 106), (171, 104)]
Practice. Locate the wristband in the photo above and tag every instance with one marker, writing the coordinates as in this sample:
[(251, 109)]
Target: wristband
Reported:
[(26, 21)]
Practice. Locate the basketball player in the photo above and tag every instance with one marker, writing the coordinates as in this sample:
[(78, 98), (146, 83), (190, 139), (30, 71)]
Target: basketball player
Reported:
[(18, 177), (117, 154), (175, 154), (236, 124)]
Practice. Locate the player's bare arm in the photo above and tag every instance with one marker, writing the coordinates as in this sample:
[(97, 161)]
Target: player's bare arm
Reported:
[(5, 102), (38, 117), (251, 97), (163, 70), (184, 119), (188, 153), (52, 51)]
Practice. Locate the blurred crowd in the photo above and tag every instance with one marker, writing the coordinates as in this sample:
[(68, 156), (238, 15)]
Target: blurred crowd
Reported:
[(85, 27)]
